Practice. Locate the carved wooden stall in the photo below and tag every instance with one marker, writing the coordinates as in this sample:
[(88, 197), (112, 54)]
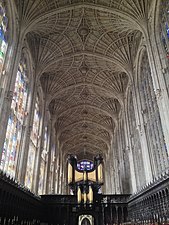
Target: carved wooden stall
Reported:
[(17, 204), (151, 204)]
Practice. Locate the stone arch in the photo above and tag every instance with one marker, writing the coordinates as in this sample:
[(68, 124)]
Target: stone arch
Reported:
[(13, 26), (86, 219), (12, 33), (117, 12)]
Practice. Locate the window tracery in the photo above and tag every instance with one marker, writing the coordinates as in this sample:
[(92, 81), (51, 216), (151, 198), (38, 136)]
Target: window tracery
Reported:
[(165, 25), (151, 117), (164, 33), (16, 120)]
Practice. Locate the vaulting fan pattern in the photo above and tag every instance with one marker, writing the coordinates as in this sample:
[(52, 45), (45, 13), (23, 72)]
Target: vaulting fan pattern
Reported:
[(83, 52)]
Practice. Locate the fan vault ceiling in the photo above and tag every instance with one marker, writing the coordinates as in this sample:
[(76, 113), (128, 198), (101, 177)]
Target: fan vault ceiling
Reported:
[(83, 51)]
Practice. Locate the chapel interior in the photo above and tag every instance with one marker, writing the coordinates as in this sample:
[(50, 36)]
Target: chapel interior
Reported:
[(84, 112)]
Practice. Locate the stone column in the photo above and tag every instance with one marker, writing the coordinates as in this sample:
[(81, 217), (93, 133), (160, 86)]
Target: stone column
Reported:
[(119, 155), (54, 177), (117, 178), (129, 148), (159, 85), (64, 177), (57, 172), (111, 167), (60, 175), (57, 179), (26, 141), (108, 176), (49, 156), (40, 149), (143, 139)]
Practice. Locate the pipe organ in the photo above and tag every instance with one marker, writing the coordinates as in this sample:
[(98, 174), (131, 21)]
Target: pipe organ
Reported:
[(85, 182)]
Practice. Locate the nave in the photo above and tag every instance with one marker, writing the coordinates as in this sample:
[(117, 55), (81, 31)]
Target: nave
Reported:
[(84, 79)]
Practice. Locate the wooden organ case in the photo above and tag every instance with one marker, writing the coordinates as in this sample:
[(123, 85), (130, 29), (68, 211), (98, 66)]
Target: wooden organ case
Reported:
[(85, 183)]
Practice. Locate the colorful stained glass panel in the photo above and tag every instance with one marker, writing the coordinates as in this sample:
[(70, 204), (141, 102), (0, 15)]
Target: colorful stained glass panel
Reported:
[(15, 123), (85, 165), (3, 32)]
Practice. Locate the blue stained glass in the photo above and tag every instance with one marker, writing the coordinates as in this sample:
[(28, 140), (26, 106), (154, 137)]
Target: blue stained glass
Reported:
[(1, 33), (167, 30), (5, 20), (165, 26), (85, 164)]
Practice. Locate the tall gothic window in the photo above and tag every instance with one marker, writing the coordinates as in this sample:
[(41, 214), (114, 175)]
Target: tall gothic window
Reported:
[(165, 25), (151, 117), (15, 122), (164, 33), (33, 146), (43, 164), (3, 35)]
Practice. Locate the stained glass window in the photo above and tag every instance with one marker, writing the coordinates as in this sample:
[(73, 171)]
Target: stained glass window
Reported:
[(85, 165), (165, 25), (33, 146), (15, 121), (43, 164), (3, 33)]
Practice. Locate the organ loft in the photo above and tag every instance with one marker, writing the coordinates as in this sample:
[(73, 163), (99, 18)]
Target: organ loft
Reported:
[(84, 102)]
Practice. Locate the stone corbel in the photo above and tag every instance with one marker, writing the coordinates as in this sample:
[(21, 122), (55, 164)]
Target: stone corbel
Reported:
[(9, 95), (127, 149), (139, 129), (158, 93)]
